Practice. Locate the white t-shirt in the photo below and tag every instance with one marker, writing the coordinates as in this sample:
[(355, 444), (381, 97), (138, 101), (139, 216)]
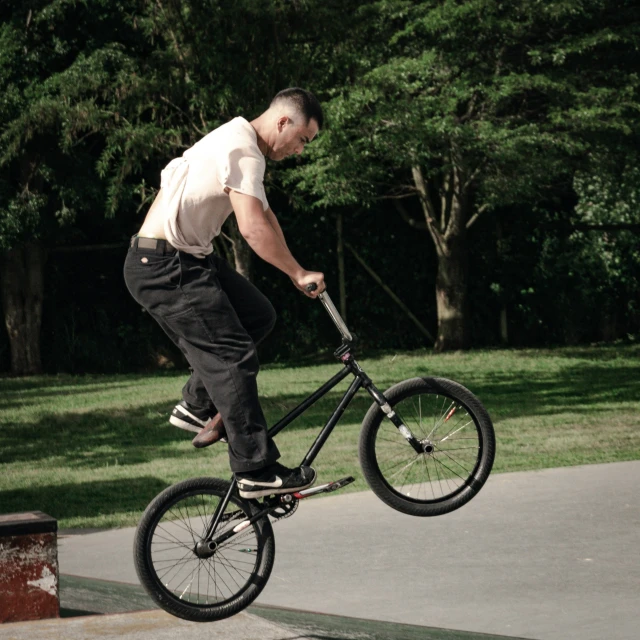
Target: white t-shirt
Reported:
[(194, 200)]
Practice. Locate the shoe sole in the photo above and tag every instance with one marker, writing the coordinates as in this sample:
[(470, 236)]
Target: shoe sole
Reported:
[(271, 491), (199, 445), (182, 424)]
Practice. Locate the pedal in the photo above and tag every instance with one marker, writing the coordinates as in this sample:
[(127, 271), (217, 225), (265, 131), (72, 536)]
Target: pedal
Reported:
[(324, 488)]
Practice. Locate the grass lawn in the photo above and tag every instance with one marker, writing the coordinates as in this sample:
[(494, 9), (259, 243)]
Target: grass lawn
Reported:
[(93, 450)]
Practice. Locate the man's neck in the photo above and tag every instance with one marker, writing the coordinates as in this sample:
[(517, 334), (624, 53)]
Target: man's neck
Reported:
[(260, 126)]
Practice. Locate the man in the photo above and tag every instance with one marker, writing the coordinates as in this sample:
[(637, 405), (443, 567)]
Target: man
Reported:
[(214, 315)]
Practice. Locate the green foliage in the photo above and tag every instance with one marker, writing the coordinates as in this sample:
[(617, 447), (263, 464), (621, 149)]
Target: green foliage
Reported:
[(609, 188), (513, 94), (529, 104)]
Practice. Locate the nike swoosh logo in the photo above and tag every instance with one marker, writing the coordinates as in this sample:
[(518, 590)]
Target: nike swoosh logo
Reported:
[(276, 483)]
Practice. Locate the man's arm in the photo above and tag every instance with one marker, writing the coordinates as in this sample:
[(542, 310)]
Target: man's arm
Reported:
[(273, 221), (267, 240)]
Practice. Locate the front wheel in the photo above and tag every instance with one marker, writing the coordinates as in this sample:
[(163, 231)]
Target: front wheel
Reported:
[(187, 583), (458, 447)]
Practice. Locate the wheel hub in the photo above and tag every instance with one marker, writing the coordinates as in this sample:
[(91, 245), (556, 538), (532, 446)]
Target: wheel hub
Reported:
[(204, 549), (427, 446)]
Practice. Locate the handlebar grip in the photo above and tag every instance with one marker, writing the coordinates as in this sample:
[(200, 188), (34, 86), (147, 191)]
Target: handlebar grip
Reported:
[(311, 287)]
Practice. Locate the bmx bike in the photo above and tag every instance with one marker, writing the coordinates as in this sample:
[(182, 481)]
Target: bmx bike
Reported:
[(426, 448)]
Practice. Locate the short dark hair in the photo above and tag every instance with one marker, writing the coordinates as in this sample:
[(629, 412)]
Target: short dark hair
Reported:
[(303, 101)]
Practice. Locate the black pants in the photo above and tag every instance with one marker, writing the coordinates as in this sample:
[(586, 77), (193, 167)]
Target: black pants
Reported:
[(216, 317)]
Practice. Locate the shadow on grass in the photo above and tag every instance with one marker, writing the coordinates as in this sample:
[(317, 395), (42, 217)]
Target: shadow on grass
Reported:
[(575, 388), (92, 439), (22, 397), (87, 499)]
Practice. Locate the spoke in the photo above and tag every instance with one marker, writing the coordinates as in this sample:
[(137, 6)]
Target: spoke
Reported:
[(167, 542), (168, 570), (390, 467), (206, 566), (439, 479), (202, 515), (426, 468), (456, 431), (449, 469), (406, 469), (169, 545), (417, 413), (219, 576), (178, 521), (176, 560), (175, 589), (455, 460), (440, 421), (399, 443), (198, 594), (228, 564), (397, 458), (186, 523), (180, 542), (236, 539), (241, 571)]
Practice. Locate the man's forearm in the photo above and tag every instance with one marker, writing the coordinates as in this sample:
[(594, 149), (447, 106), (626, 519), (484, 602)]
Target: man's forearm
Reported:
[(273, 221), (270, 245)]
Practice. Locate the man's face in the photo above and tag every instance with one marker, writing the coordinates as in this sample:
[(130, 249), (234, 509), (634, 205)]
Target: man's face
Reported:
[(292, 136)]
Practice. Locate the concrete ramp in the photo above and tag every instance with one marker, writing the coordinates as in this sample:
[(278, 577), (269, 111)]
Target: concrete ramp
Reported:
[(104, 609), (146, 625)]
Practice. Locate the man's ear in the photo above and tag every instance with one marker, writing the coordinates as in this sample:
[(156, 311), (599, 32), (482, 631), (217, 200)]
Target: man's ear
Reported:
[(282, 122)]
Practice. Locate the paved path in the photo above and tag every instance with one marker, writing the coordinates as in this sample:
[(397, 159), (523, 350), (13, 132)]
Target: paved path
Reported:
[(147, 625), (547, 555)]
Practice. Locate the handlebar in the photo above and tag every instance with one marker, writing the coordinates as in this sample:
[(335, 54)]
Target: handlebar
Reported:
[(332, 311)]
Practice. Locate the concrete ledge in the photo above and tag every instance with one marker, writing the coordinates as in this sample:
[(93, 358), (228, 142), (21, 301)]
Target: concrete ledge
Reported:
[(30, 522), (28, 567)]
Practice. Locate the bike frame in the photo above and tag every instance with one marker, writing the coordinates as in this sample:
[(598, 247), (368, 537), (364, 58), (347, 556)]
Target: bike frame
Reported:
[(345, 354)]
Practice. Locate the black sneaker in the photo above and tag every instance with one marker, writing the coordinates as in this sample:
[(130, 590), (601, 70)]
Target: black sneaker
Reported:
[(186, 417), (274, 479)]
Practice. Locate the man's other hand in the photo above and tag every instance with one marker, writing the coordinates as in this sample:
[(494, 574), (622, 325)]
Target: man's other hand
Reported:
[(305, 278)]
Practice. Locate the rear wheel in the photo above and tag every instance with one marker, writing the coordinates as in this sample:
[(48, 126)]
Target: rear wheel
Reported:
[(182, 579), (458, 447)]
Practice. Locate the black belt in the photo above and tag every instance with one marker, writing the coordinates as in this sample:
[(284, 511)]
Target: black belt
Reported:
[(155, 244)]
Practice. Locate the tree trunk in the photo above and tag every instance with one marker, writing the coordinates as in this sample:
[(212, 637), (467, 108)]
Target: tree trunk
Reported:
[(22, 289), (451, 294), (504, 324), (448, 229), (341, 272), (242, 253)]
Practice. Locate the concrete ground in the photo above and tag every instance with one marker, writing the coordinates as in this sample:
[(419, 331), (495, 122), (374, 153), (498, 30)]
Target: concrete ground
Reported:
[(257, 622), (547, 555), (146, 625)]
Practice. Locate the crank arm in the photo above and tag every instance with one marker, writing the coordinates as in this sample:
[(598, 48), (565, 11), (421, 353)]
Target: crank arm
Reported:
[(324, 488)]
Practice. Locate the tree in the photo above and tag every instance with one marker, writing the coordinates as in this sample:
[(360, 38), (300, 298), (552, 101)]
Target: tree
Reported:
[(474, 105), (46, 83), (608, 223), (97, 98)]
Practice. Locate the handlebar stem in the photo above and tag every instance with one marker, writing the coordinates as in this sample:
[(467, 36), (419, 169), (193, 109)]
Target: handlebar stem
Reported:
[(335, 316)]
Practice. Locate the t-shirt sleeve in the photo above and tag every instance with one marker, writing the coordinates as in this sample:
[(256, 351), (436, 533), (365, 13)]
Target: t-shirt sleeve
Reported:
[(244, 174)]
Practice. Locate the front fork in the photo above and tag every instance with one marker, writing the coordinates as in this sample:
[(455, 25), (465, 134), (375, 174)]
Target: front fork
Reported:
[(381, 401)]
